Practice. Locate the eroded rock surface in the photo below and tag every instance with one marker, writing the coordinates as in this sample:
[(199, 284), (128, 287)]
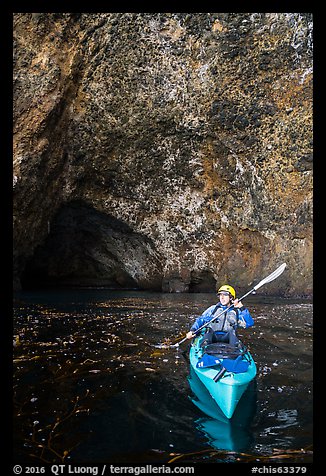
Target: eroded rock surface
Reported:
[(163, 150)]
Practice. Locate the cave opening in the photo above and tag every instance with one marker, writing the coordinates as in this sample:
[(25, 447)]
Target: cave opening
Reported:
[(86, 247), (202, 281)]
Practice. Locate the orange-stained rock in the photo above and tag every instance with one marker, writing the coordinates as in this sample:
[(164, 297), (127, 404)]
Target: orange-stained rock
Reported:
[(176, 148)]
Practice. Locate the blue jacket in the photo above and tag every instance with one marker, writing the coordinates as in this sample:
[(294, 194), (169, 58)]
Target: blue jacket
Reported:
[(235, 317)]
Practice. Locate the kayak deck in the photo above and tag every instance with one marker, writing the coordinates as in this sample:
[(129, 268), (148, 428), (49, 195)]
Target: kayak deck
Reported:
[(228, 390)]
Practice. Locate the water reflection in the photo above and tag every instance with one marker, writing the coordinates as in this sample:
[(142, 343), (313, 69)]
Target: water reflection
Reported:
[(233, 434), (90, 385)]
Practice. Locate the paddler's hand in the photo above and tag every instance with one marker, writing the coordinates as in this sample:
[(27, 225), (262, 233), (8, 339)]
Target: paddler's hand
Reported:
[(190, 335), (237, 303)]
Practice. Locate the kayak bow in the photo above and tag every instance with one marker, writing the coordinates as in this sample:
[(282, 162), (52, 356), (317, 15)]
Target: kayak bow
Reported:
[(225, 386)]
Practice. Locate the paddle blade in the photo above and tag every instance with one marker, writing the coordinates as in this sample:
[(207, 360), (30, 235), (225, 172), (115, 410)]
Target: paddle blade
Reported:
[(236, 366), (272, 276)]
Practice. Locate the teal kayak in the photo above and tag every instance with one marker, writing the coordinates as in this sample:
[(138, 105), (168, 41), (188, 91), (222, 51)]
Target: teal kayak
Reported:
[(223, 433), (225, 386)]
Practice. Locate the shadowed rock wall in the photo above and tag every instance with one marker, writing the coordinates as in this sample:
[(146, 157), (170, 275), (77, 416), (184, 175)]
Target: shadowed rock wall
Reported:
[(191, 133)]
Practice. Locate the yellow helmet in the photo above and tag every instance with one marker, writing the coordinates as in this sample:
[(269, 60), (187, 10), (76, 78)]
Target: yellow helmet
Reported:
[(229, 289)]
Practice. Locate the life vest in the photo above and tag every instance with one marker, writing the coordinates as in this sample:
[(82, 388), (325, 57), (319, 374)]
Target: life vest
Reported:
[(227, 321)]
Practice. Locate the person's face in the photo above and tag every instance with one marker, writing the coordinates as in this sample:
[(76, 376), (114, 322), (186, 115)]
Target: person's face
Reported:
[(224, 298)]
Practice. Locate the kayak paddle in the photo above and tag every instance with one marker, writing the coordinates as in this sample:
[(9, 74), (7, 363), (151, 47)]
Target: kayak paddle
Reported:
[(275, 274)]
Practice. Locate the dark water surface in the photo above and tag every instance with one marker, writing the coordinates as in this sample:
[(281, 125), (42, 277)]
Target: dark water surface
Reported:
[(91, 387)]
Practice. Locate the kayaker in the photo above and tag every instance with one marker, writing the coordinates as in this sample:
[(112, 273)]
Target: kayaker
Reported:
[(223, 329)]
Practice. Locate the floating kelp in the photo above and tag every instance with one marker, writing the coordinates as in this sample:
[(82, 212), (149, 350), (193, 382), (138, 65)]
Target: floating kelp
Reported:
[(104, 352), (44, 442), (303, 455)]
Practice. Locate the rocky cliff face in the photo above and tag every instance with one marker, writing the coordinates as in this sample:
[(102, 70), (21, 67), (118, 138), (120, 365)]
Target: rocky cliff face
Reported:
[(163, 151)]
